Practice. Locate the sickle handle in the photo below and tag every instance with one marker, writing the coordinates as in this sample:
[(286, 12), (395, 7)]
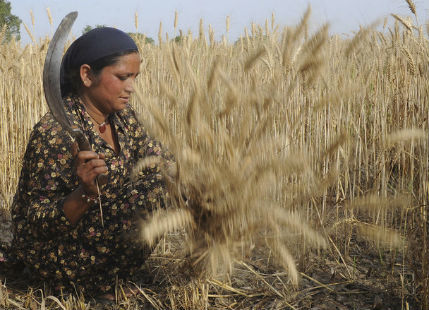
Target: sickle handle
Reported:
[(83, 143)]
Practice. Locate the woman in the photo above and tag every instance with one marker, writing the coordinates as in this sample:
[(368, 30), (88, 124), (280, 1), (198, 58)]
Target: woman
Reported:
[(67, 229)]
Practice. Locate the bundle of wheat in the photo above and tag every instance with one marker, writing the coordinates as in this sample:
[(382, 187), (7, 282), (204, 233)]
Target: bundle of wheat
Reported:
[(230, 168)]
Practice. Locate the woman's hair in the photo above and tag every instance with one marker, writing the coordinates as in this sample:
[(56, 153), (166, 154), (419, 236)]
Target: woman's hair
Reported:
[(97, 48), (73, 79)]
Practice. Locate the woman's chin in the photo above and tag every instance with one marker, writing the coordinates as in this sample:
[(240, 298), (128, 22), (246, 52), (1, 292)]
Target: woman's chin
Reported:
[(119, 106)]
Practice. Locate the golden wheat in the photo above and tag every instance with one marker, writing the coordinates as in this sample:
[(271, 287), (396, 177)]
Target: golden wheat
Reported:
[(279, 137)]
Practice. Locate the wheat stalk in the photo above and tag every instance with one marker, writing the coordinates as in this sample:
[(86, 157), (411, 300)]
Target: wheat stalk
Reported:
[(48, 11), (359, 37), (32, 18), (405, 135), (404, 22), (136, 21), (412, 7), (30, 34), (160, 33)]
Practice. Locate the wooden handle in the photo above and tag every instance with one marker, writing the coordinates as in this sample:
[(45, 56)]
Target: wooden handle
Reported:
[(83, 143)]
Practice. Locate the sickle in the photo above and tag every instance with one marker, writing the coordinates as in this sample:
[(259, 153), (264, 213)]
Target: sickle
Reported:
[(51, 72), (51, 84)]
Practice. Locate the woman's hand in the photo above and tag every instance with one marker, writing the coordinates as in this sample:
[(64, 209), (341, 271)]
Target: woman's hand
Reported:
[(88, 166)]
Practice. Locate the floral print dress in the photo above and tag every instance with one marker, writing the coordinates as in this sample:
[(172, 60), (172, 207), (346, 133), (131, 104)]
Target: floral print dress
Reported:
[(88, 255)]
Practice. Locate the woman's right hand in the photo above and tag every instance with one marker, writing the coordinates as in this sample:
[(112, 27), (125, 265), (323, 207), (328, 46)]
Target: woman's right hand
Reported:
[(89, 165)]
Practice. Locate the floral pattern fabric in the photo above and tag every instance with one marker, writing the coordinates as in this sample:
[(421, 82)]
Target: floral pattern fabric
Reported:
[(88, 255)]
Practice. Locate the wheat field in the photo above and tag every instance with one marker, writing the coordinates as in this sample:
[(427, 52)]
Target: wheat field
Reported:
[(304, 155)]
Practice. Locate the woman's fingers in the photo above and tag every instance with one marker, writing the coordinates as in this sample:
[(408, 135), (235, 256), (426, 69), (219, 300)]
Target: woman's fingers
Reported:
[(89, 177), (89, 166), (84, 156), (89, 174), (75, 149), (92, 167), (94, 163)]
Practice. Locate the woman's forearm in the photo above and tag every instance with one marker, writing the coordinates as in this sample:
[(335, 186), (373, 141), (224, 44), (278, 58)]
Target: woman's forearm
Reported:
[(75, 205)]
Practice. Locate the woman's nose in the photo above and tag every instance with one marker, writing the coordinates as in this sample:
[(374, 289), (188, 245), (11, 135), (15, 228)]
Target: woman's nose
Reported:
[(129, 87)]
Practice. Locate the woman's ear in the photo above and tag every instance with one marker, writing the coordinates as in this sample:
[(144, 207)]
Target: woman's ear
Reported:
[(86, 75)]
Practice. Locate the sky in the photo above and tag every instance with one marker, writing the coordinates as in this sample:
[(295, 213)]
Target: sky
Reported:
[(344, 16)]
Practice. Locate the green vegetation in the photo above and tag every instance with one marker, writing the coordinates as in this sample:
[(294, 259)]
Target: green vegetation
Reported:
[(9, 21)]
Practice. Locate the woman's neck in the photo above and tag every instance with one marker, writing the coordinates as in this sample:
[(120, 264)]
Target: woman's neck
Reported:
[(96, 114)]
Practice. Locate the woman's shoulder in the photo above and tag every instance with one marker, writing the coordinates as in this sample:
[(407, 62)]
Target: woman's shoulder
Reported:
[(49, 132), (128, 113), (128, 117), (47, 123)]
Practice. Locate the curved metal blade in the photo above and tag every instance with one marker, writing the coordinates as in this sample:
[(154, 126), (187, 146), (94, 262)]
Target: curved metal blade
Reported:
[(51, 71), (51, 85)]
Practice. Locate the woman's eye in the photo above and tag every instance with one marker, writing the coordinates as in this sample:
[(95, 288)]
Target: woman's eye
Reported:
[(127, 76)]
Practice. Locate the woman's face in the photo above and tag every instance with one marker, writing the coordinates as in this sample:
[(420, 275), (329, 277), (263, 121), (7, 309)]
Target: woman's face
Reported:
[(110, 90)]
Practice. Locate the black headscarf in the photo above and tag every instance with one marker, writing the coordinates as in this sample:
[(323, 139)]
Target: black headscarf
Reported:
[(90, 47)]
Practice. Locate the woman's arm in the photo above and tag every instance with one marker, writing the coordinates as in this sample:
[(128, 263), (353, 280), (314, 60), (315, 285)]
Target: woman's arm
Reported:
[(89, 166), (49, 201)]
